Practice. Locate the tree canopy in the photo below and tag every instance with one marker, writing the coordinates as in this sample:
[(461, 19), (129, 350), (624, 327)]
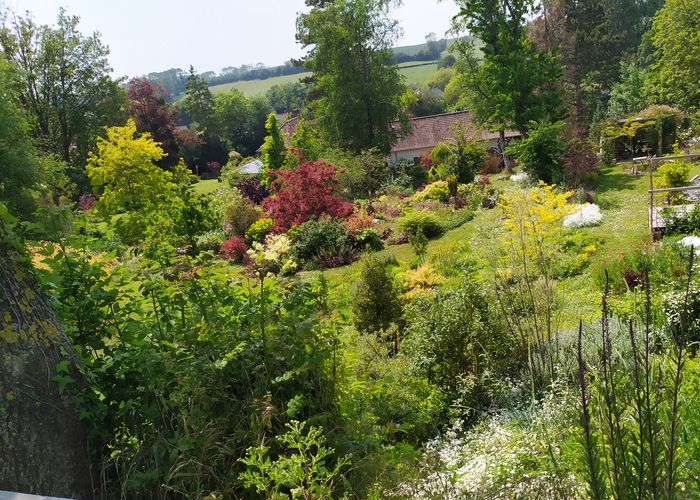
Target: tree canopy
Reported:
[(676, 38), (66, 85), (360, 90), (20, 171), (124, 169), (515, 84)]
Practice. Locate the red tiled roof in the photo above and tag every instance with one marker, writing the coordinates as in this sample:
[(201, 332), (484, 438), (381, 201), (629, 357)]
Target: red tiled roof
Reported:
[(427, 131), (288, 128)]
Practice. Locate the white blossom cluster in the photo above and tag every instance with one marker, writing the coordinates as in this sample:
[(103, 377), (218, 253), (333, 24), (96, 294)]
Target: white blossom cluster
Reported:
[(694, 143), (498, 459), (520, 178), (587, 215), (691, 241), (273, 255)]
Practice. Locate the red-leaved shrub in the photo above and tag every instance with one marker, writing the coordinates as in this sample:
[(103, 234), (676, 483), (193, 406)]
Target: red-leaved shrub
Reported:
[(234, 249), (305, 193), (580, 162), (253, 189), (86, 202), (426, 161), (359, 220)]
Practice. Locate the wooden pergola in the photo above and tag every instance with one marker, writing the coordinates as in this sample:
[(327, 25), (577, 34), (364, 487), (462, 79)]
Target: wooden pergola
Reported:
[(657, 220)]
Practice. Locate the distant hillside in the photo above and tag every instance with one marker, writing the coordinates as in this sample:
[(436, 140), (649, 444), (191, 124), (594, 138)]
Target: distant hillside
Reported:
[(422, 48), (247, 77), (416, 72)]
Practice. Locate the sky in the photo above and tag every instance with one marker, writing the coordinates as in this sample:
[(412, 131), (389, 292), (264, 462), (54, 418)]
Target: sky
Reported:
[(155, 35)]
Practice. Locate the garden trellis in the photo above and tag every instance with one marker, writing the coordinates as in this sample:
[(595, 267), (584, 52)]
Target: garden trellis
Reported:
[(658, 220)]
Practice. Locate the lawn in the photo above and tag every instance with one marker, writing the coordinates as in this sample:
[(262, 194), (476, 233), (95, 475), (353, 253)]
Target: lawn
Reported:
[(206, 187), (416, 72)]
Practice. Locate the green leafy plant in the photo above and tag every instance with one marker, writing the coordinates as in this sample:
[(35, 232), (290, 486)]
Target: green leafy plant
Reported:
[(630, 407), (539, 154), (303, 470), (419, 243), (376, 300), (368, 238), (420, 220), (321, 242), (258, 230), (674, 174)]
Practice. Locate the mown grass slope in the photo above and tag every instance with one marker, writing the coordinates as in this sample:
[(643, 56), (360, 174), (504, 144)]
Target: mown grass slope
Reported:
[(416, 72)]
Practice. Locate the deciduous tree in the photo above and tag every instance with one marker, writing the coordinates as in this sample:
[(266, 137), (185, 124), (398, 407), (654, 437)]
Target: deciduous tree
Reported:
[(67, 87), (676, 38), (124, 170), (20, 172), (515, 83), (540, 153), (240, 122), (304, 193), (152, 113), (359, 88), (592, 38)]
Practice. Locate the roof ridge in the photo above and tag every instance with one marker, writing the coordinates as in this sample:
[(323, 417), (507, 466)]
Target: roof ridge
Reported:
[(440, 114)]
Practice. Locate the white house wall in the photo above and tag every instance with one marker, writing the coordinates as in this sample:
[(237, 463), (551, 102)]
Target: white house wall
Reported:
[(411, 154)]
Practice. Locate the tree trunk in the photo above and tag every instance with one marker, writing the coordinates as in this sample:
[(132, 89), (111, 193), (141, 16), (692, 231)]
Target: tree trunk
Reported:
[(502, 148), (43, 445)]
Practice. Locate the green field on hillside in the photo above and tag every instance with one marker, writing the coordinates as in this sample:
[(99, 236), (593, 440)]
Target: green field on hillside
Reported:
[(256, 87), (416, 72)]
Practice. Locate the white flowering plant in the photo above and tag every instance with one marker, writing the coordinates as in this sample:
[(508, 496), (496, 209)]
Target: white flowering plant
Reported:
[(273, 256), (587, 215), (520, 178), (516, 454)]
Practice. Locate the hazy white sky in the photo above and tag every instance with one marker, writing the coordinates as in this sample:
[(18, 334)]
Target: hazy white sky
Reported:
[(154, 35)]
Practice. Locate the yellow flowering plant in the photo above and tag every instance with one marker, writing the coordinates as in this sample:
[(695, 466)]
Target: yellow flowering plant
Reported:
[(523, 271)]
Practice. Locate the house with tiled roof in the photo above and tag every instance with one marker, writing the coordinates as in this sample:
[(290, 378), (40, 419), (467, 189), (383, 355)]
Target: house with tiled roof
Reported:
[(288, 125), (425, 132), (289, 122)]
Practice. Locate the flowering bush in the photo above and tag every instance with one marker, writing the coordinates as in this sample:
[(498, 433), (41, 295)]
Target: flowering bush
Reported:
[(304, 193), (520, 178), (513, 455), (273, 256), (586, 215), (234, 249)]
